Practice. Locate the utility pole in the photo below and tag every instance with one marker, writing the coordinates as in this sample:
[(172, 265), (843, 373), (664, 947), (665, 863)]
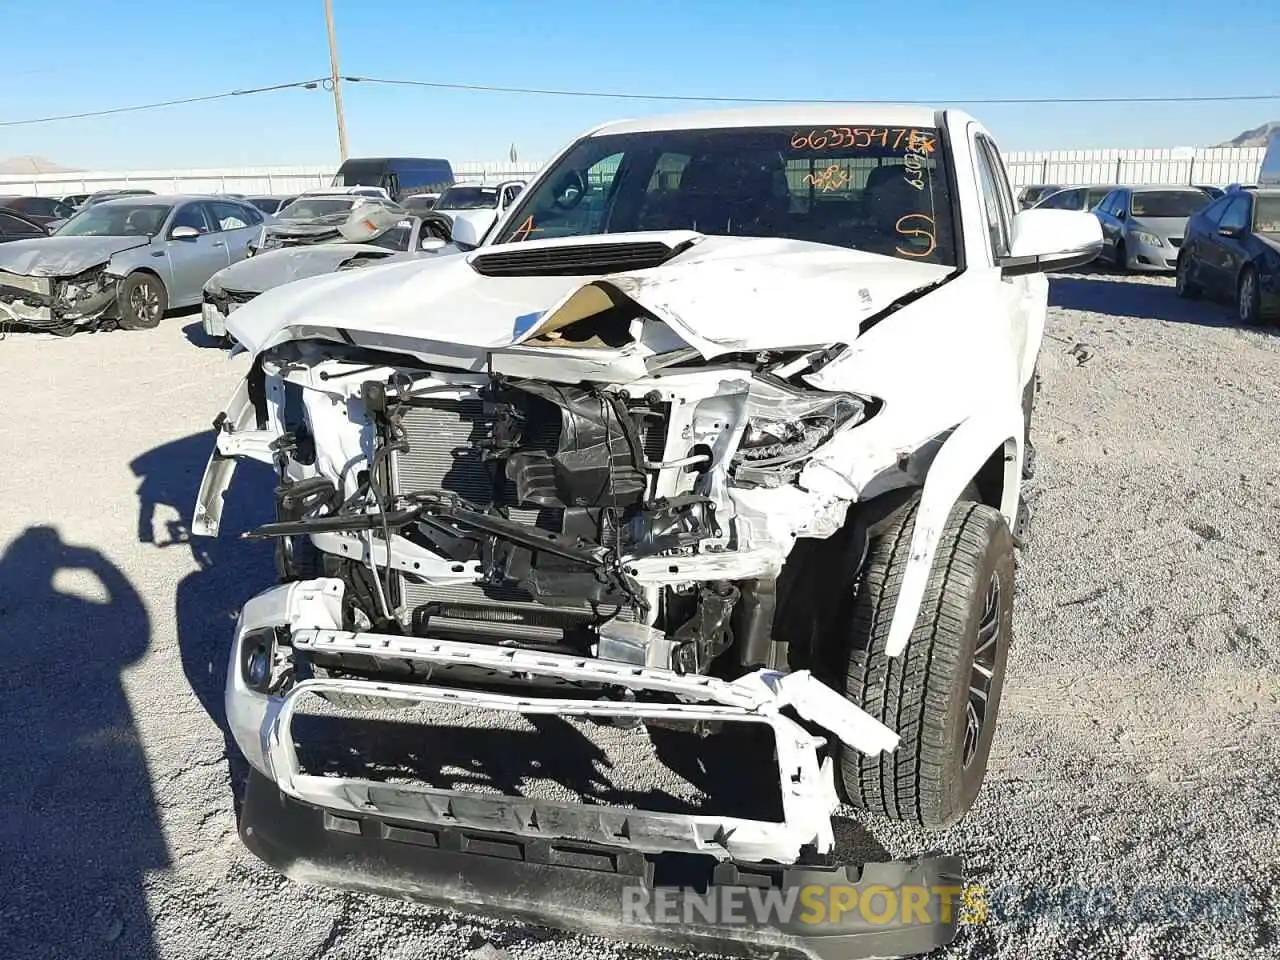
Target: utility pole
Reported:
[(335, 80)]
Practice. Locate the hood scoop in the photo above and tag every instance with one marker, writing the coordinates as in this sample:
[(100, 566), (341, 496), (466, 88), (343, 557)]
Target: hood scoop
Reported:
[(578, 260)]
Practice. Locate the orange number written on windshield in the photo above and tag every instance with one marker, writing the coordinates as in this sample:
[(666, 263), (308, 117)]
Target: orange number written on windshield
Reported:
[(917, 228), (861, 138), (832, 178)]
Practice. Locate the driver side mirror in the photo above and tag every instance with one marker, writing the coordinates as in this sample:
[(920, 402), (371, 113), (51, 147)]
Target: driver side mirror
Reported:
[(464, 233), (1046, 240), (184, 233)]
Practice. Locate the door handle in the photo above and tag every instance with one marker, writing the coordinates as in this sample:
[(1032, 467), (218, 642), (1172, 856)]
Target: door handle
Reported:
[(219, 243)]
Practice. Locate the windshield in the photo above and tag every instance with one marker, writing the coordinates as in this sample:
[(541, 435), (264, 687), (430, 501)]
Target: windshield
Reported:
[(1266, 214), (419, 202), (879, 189), (117, 220), (397, 238), (306, 208), (360, 174), (468, 198), (1167, 203)]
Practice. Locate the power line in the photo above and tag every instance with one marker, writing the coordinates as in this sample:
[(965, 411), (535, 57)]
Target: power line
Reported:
[(612, 95), (604, 95), (308, 84)]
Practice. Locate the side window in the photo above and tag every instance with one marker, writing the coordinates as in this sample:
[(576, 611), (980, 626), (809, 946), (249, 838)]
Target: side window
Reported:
[(229, 216), (1120, 203), (997, 228), (1214, 211), (13, 227), (509, 195), (1004, 193), (190, 215), (1236, 216), (1071, 200)]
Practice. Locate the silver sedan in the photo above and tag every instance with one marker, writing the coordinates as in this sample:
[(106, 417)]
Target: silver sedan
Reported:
[(124, 262)]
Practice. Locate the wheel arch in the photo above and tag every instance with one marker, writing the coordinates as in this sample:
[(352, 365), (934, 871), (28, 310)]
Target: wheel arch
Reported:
[(985, 450), (149, 271)]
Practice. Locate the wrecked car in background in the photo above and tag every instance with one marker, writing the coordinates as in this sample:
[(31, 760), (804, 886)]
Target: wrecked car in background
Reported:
[(723, 426), (123, 262), (315, 216), (370, 234), (477, 205)]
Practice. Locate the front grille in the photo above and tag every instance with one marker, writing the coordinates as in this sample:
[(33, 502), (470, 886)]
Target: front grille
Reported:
[(442, 456), (1175, 241), (240, 296), (596, 258)]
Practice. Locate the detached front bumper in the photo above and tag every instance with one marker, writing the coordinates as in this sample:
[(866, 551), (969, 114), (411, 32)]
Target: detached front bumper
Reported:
[(609, 891), (586, 867)]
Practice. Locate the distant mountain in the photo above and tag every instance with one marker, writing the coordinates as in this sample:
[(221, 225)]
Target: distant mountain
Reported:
[(21, 165), (1257, 137)]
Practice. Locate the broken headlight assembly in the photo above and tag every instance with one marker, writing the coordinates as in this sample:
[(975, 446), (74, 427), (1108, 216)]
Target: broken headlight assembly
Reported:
[(84, 291), (784, 426)]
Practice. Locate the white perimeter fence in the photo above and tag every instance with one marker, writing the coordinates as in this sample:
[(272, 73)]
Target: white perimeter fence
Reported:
[(1175, 165)]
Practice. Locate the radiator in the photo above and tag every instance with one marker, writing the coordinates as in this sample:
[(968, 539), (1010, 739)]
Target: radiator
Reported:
[(442, 456)]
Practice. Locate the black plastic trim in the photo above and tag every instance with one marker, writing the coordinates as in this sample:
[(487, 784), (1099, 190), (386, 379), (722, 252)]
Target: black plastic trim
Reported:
[(575, 886)]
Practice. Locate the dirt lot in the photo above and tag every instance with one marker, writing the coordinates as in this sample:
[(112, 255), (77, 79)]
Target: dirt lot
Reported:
[(1138, 743)]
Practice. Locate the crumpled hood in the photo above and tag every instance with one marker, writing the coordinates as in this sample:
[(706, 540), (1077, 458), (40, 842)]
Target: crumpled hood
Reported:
[(271, 268), (721, 295), (62, 256)]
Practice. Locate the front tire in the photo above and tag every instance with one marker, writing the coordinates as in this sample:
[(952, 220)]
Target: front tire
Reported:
[(1249, 298), (1183, 283), (942, 694), (142, 301)]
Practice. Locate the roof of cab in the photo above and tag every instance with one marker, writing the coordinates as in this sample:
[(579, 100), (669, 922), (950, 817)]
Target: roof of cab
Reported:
[(782, 115)]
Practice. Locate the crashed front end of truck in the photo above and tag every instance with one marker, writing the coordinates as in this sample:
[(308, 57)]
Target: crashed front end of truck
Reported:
[(611, 513)]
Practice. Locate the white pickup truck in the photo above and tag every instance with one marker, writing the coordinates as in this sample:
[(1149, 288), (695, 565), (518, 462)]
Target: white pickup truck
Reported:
[(724, 425)]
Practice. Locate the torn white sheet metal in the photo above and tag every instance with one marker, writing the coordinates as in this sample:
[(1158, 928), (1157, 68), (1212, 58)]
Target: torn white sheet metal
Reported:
[(808, 799), (722, 294), (727, 295), (764, 692), (238, 417)]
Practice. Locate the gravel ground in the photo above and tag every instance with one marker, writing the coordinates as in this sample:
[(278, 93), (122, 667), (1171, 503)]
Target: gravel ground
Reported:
[(1137, 744)]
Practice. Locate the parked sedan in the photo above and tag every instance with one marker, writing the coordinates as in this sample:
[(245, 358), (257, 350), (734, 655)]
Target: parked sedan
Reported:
[(43, 210), (114, 194), (123, 262), (1074, 198), (1232, 253), (270, 204), (1033, 193), (371, 234), (473, 208), (17, 226), (1142, 227)]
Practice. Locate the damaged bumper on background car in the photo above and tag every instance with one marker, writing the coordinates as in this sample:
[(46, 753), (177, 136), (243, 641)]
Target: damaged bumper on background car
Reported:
[(57, 304)]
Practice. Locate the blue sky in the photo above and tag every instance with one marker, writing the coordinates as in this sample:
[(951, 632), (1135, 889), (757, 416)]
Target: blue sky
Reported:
[(98, 55)]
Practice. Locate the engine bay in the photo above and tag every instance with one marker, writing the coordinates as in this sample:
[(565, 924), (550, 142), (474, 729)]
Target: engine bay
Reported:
[(587, 519)]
